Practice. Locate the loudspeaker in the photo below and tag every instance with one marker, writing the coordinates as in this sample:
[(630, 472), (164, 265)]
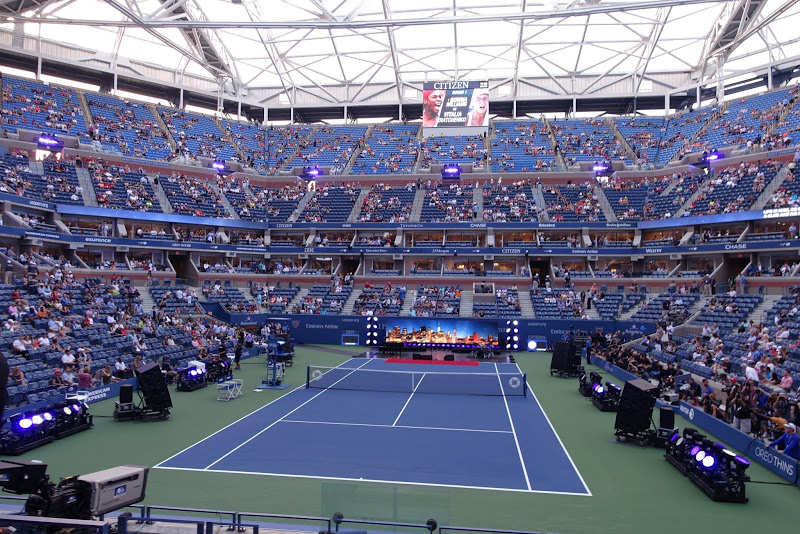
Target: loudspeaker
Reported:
[(636, 406), (566, 359), (416, 356), (666, 418), (153, 386), (560, 356), (126, 394), (449, 357)]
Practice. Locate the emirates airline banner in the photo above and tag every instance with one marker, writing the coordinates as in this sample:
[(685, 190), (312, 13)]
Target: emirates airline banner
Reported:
[(455, 104)]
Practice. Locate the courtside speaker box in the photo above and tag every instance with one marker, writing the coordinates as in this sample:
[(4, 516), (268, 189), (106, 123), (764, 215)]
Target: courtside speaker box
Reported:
[(416, 356), (666, 418), (636, 406), (153, 386), (449, 357), (126, 394), (560, 356)]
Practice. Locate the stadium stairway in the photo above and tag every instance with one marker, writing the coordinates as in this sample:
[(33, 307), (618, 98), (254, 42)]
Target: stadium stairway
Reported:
[(354, 157), (477, 199), (166, 206), (593, 314), (347, 307), (246, 188), (416, 208), (291, 156), (87, 114), (759, 313), (405, 311), (526, 304), (702, 189), (88, 193), (229, 139), (605, 205), (771, 187), (359, 202), (466, 303), (225, 202), (559, 157), (163, 126), (700, 133), (36, 167), (612, 124), (147, 298), (300, 207), (303, 293), (541, 204)]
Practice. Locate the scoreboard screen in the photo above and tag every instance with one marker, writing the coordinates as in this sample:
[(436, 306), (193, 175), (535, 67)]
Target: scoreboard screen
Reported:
[(455, 104)]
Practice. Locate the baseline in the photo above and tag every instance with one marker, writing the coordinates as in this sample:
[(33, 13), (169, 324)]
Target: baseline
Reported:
[(279, 420)]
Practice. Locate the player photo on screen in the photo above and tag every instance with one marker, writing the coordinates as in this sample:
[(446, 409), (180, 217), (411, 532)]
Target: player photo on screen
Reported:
[(479, 108), (432, 100)]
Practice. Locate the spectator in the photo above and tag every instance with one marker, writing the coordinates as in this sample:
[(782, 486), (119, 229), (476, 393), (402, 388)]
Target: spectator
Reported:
[(85, 378), (789, 440)]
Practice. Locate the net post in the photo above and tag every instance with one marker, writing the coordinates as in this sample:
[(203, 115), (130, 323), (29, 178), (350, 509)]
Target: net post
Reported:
[(308, 376), (524, 384)]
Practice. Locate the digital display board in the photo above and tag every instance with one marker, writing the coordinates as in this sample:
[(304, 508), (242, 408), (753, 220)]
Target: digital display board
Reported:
[(455, 104), (440, 331)]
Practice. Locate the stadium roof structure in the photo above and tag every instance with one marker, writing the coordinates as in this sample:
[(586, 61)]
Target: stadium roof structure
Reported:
[(281, 54)]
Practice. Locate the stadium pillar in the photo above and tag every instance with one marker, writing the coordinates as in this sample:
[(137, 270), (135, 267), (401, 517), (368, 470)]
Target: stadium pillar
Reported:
[(698, 96), (291, 115), (666, 105), (769, 77), (115, 83), (239, 111), (514, 108), (266, 115), (180, 102), (39, 68)]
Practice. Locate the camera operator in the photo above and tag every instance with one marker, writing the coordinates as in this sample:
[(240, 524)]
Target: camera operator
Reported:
[(742, 414), (711, 406), (690, 391)]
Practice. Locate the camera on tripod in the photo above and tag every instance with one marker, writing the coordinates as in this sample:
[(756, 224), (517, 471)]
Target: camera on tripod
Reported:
[(76, 497)]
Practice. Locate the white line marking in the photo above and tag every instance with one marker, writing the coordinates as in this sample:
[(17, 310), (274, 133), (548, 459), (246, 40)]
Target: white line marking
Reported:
[(240, 419), (513, 431), (230, 425), (485, 488), (284, 417), (396, 426), (588, 491), (409, 399)]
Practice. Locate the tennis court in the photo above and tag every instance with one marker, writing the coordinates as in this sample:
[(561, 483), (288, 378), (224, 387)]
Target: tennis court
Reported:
[(453, 426)]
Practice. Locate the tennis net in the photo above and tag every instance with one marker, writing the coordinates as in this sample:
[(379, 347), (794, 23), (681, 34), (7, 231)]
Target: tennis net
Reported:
[(498, 384)]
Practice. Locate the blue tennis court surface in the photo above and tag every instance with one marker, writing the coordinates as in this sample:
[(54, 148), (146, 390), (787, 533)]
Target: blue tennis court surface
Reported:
[(416, 425)]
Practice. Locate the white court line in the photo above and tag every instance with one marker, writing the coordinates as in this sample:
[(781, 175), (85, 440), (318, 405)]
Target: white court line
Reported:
[(396, 426), (403, 482), (230, 425), (242, 418), (588, 491), (513, 431), (409, 399), (284, 417)]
